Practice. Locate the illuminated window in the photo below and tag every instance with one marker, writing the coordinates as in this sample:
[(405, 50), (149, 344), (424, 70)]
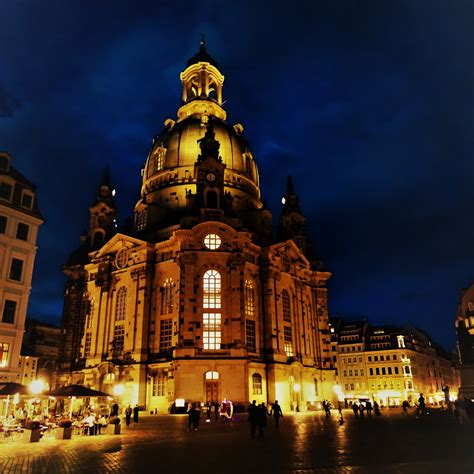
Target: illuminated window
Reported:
[(249, 299), (401, 341), (212, 375), (4, 350), (9, 310), (250, 335), (167, 296), (212, 290), (16, 269), (257, 384), (121, 304), (288, 341), (166, 334), (470, 306), (211, 331), (159, 159), (159, 382), (286, 306), (87, 345), (212, 241)]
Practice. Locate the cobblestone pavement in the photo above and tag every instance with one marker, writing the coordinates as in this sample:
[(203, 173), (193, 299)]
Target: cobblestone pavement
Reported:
[(306, 443)]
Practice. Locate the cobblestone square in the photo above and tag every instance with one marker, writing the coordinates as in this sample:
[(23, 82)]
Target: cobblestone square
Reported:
[(306, 443)]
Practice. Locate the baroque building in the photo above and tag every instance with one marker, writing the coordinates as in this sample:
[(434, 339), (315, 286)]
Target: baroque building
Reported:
[(390, 364), (465, 345), (19, 223), (198, 301)]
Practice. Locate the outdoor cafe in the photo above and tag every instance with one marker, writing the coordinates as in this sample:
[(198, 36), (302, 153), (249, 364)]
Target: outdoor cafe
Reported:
[(30, 413)]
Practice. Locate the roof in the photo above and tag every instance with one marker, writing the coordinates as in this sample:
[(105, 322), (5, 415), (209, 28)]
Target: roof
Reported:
[(202, 56)]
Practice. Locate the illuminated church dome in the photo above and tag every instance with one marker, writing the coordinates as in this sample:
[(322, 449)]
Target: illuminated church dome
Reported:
[(170, 175)]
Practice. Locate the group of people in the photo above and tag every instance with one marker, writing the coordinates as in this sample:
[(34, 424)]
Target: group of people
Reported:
[(258, 417), (360, 408), (128, 414)]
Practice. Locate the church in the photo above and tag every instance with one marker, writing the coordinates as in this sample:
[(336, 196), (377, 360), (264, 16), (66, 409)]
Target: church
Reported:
[(201, 299)]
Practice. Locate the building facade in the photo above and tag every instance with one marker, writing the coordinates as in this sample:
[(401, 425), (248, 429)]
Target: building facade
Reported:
[(391, 364), (19, 223), (198, 301), (465, 337)]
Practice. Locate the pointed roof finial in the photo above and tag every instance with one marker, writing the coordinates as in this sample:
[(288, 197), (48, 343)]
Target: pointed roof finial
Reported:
[(202, 55)]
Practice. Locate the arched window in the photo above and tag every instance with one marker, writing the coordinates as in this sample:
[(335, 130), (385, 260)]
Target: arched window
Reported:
[(249, 299), (167, 296), (257, 384), (211, 303), (285, 299), (121, 303), (212, 375)]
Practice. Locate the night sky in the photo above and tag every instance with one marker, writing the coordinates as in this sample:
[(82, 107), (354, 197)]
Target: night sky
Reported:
[(368, 104)]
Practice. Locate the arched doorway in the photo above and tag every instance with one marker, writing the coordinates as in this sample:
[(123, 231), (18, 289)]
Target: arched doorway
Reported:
[(212, 386)]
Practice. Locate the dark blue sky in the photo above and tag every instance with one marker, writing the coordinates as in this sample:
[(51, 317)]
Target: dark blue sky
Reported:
[(368, 104)]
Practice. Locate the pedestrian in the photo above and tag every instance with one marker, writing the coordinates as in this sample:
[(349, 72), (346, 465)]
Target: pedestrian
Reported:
[(216, 410), (208, 412), (277, 413), (376, 409), (421, 410), (339, 409), (135, 414), (262, 414), (355, 409), (405, 406), (115, 410), (253, 417), (191, 415), (327, 408), (196, 416), (368, 407), (128, 415), (361, 409)]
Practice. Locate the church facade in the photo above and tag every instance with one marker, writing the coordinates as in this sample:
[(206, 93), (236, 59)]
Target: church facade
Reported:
[(198, 302)]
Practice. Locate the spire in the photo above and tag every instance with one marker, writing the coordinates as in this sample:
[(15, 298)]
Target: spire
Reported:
[(209, 145), (202, 56)]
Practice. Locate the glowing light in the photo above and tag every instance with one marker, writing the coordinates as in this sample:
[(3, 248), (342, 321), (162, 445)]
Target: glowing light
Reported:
[(113, 192), (37, 386), (118, 390), (283, 200), (179, 403), (296, 387), (16, 398), (338, 391)]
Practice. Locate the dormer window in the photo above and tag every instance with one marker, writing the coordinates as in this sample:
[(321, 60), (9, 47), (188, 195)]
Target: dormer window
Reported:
[(27, 200), (4, 163), (470, 306), (6, 190)]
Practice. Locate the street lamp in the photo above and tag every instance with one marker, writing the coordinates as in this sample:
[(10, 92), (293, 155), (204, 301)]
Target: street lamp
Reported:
[(118, 390), (36, 387)]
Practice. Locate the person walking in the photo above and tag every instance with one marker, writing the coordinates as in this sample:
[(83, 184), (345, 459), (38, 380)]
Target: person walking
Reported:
[(253, 417), (196, 416), (262, 414), (355, 409), (277, 413), (405, 406), (135, 414), (361, 409), (376, 409), (216, 410), (115, 410), (327, 408), (421, 406), (208, 412), (191, 415), (368, 407), (128, 415), (339, 409)]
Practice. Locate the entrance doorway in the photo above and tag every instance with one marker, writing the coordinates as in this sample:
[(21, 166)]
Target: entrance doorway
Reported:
[(212, 386)]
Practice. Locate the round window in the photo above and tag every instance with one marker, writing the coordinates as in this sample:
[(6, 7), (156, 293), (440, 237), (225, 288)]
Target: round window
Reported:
[(121, 259), (212, 241)]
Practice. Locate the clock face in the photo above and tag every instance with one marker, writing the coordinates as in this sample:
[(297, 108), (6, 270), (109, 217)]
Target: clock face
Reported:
[(211, 177)]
